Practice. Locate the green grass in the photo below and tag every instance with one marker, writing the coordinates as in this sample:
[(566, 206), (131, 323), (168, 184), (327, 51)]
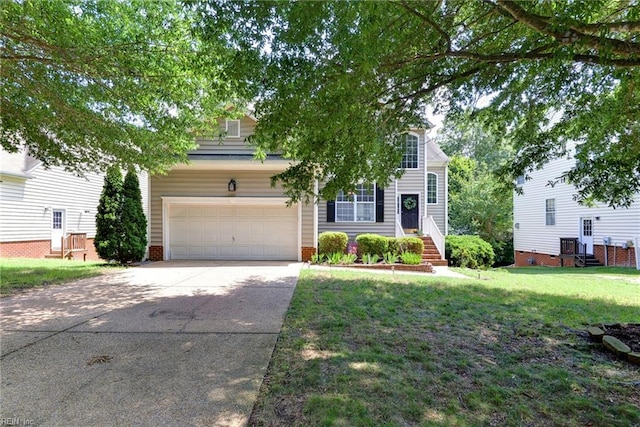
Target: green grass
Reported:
[(23, 273), (508, 348)]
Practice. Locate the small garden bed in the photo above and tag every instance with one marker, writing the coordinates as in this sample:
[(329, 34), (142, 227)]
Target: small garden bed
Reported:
[(622, 339), (425, 268)]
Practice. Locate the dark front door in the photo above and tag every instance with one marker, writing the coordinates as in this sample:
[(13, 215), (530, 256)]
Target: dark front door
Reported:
[(409, 210)]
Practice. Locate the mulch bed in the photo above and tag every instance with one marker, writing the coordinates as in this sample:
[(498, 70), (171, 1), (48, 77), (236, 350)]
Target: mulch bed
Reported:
[(627, 333)]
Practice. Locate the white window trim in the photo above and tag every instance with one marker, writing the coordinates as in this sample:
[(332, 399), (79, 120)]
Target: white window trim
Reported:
[(226, 126), (355, 209), (417, 152), (427, 189), (547, 212)]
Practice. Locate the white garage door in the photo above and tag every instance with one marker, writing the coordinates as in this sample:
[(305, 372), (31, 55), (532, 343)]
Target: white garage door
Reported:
[(233, 232)]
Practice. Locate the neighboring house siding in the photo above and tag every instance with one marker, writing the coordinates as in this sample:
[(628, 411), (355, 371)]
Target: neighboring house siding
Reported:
[(206, 183), (307, 225), (531, 234), (23, 202)]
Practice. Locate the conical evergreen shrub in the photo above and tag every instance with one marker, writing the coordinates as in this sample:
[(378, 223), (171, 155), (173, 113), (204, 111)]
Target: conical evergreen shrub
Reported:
[(108, 224), (133, 220)]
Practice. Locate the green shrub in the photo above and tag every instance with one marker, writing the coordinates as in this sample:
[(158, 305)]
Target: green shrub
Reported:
[(335, 258), (317, 259), (331, 242), (410, 258), (348, 258), (370, 258), (372, 244), (414, 245), (393, 245), (390, 258), (469, 251)]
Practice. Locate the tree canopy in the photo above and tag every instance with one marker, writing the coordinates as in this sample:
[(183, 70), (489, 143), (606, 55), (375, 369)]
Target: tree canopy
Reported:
[(88, 83), (340, 81)]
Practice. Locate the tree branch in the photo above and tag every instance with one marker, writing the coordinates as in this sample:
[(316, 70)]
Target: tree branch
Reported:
[(570, 36), (431, 23)]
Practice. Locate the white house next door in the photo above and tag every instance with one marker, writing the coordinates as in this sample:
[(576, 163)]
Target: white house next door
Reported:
[(57, 229), (586, 234)]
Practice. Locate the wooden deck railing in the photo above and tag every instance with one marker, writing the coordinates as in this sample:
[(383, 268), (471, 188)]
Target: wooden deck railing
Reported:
[(74, 243), (571, 247)]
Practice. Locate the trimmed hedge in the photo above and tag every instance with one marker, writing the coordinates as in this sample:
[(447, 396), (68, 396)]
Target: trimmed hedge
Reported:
[(469, 251), (415, 245), (331, 242), (373, 244)]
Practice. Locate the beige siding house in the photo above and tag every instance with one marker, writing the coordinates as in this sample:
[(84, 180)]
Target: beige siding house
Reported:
[(38, 206), (544, 214), (222, 205)]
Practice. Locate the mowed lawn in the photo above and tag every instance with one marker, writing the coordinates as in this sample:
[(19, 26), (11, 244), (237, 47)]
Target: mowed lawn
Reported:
[(17, 274), (505, 347)]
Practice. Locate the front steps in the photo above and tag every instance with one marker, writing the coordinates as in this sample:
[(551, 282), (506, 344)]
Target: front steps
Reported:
[(431, 254)]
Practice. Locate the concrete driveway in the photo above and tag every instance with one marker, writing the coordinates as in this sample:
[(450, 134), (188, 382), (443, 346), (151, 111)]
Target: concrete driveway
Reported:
[(169, 343)]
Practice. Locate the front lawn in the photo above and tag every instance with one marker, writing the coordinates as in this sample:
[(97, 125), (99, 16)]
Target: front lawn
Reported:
[(506, 347), (24, 273)]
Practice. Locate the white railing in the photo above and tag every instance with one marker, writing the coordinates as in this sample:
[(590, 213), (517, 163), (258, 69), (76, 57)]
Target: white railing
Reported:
[(399, 229), (431, 229)]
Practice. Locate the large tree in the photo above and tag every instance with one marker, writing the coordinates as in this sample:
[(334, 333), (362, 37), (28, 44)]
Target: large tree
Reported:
[(342, 80), (86, 83)]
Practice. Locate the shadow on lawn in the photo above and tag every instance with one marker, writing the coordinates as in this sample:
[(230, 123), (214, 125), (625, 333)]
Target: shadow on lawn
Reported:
[(372, 351), (625, 271)]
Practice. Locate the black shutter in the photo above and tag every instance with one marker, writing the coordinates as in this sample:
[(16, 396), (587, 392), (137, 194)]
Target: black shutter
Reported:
[(379, 204), (331, 211)]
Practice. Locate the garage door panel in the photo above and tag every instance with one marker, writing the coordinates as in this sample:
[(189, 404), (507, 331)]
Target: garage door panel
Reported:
[(233, 232)]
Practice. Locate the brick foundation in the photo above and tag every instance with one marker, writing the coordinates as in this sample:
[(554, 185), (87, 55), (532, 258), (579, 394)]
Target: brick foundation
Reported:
[(307, 253), (616, 256), (524, 259), (156, 253), (39, 249)]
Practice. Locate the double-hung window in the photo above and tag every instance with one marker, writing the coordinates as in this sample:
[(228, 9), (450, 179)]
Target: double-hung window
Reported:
[(359, 206), (550, 208), (432, 188), (232, 127), (410, 157)]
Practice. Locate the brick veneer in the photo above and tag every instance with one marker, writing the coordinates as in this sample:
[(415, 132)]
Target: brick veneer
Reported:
[(522, 259), (38, 249), (307, 253), (156, 253), (623, 257)]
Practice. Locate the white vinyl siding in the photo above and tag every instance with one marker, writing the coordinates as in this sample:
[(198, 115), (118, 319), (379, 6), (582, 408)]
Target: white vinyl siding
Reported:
[(357, 207), (529, 214), (27, 205)]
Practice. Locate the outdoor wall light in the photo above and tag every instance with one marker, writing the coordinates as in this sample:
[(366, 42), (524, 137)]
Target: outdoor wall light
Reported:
[(47, 208), (231, 186)]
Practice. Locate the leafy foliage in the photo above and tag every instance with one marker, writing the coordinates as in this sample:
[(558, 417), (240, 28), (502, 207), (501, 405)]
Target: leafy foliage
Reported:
[(90, 83), (370, 258), (478, 204), (331, 242), (359, 74), (372, 244), (390, 258), (410, 258), (468, 251)]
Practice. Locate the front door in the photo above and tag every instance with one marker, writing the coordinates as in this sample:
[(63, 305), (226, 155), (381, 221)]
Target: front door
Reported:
[(586, 234), (57, 229), (409, 211)]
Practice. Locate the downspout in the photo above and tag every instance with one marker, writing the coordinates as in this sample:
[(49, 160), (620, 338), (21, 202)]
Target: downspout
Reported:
[(395, 208)]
